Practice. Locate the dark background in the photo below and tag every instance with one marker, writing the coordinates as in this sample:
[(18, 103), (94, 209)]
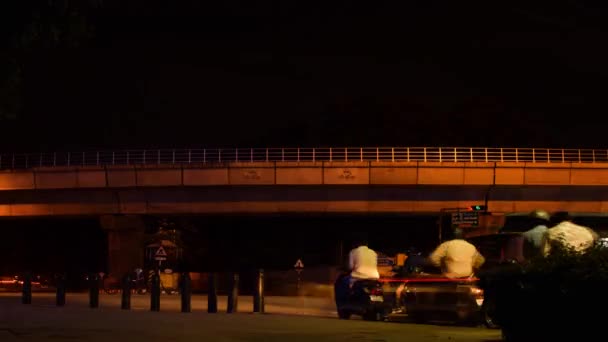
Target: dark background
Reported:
[(93, 74), (77, 245), (134, 73)]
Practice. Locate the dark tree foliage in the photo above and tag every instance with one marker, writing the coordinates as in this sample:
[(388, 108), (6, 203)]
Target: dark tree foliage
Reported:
[(32, 29), (555, 296)]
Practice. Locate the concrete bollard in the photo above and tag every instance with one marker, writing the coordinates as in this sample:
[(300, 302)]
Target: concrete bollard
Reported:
[(125, 301), (186, 292), (26, 297), (94, 290), (212, 296), (258, 296), (155, 293), (233, 295), (60, 284)]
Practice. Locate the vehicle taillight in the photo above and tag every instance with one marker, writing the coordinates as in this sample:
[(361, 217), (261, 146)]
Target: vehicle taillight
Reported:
[(477, 295), (477, 292), (376, 292)]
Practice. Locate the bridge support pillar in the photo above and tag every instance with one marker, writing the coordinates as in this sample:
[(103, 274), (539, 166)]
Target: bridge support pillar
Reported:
[(125, 243)]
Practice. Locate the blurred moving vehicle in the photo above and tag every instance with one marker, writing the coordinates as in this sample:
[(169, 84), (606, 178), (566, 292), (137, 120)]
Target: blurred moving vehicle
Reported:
[(425, 295), (432, 297), (364, 298), (14, 283)]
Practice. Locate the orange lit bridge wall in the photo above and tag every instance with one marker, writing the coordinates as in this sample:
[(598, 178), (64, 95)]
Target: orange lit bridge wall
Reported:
[(272, 187)]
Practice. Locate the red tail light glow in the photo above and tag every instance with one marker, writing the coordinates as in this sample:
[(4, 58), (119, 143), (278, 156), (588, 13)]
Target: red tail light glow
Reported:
[(376, 292)]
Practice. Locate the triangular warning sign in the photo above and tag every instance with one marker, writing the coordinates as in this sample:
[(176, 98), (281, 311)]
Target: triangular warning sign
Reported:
[(160, 252), (299, 264)]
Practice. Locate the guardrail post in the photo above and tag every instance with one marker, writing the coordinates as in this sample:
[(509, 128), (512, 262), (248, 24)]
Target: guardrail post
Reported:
[(125, 300), (233, 295), (486, 152), (533, 155), (282, 154), (424, 154), (346, 154), (267, 155), (455, 155), (155, 293), (330, 154), (502, 157), (298, 154), (60, 284), (186, 292), (408, 154), (219, 155), (548, 155), (471, 152), (26, 290), (393, 154), (258, 296), (593, 152), (377, 154), (361, 153), (563, 156), (517, 155), (579, 156), (173, 159), (93, 290), (440, 156), (251, 155), (189, 156), (212, 295)]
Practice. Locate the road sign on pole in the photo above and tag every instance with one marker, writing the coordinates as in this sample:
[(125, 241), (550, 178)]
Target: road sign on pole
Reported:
[(465, 219), (160, 254), (299, 266)]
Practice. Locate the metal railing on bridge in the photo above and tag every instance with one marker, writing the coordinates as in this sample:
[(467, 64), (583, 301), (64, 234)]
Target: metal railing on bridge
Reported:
[(329, 154)]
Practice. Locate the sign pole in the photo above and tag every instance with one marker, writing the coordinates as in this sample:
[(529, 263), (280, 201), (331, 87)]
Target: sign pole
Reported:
[(299, 266)]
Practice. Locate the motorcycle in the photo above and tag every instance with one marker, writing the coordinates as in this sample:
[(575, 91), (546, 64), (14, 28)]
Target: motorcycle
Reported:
[(364, 298)]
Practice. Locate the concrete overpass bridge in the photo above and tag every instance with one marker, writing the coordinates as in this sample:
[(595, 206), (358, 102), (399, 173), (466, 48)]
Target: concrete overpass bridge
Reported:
[(121, 186), (417, 180)]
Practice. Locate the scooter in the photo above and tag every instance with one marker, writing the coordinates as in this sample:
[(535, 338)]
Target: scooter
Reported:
[(364, 298)]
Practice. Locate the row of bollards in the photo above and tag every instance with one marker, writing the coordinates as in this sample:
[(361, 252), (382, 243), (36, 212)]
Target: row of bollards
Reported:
[(155, 291)]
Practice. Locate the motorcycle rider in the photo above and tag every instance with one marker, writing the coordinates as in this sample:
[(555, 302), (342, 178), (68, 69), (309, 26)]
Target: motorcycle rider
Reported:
[(533, 238), (363, 263), (564, 233), (457, 258)]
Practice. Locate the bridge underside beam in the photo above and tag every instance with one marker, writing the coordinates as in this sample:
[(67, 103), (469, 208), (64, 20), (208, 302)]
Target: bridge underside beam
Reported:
[(274, 199)]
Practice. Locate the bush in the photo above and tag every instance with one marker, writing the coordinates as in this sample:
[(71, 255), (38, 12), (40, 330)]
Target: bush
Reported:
[(561, 295)]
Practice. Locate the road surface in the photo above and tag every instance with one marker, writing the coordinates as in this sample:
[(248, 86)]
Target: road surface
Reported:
[(43, 321), (307, 306)]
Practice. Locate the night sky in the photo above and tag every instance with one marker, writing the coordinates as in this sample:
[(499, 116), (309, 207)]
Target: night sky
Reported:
[(313, 73), (102, 74)]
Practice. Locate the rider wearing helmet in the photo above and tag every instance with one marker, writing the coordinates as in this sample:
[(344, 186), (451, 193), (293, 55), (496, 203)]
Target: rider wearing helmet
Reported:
[(533, 238)]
